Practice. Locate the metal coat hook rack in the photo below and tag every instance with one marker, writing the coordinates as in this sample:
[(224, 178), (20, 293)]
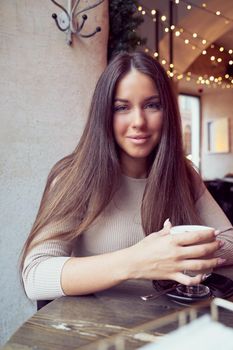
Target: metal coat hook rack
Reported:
[(67, 20)]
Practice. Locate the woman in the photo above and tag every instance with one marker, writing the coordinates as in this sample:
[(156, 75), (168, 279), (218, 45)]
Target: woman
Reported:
[(104, 213)]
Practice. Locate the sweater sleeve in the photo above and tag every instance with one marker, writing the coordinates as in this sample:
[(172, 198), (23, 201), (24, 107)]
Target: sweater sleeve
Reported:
[(212, 215), (43, 264), (42, 270)]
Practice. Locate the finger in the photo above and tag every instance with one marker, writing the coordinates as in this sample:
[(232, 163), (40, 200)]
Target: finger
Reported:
[(163, 232), (199, 264), (191, 238), (188, 280), (166, 229), (167, 223), (200, 250)]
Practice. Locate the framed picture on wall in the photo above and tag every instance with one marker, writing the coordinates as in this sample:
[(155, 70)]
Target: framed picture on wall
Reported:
[(190, 116), (218, 136)]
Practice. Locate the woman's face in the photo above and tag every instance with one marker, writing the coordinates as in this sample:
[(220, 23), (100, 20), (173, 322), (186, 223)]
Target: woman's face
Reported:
[(137, 121)]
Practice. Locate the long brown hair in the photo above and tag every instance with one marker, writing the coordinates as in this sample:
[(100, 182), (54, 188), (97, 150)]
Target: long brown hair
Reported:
[(82, 184)]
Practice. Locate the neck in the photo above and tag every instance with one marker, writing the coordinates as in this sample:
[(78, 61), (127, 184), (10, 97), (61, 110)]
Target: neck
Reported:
[(137, 168)]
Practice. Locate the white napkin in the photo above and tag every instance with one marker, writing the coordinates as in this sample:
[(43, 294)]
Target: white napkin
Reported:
[(201, 334)]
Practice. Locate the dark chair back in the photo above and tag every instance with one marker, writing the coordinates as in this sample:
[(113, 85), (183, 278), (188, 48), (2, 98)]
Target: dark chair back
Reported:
[(42, 303), (222, 191)]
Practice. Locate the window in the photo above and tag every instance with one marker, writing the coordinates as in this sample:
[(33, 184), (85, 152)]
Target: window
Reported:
[(190, 116)]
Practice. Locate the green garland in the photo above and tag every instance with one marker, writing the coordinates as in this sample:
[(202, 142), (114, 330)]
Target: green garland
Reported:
[(123, 22)]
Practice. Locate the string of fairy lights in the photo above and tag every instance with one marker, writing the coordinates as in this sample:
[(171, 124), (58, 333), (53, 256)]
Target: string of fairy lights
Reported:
[(195, 41)]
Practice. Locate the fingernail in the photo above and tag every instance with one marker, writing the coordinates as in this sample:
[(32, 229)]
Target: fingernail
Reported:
[(166, 222), (221, 261), (217, 232), (205, 276), (221, 243)]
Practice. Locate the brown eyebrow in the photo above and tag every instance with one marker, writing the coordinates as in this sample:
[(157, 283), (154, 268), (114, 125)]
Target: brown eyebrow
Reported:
[(120, 100), (152, 98), (147, 99)]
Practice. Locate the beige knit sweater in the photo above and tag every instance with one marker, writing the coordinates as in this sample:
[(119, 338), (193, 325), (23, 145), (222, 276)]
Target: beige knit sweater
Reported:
[(118, 227)]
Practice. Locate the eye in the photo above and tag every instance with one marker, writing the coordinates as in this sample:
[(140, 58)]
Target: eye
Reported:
[(153, 105), (120, 108)]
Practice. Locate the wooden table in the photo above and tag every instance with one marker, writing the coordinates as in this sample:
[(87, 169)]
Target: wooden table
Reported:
[(80, 322)]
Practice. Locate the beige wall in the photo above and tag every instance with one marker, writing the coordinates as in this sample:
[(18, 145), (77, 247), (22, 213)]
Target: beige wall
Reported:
[(216, 103), (45, 90)]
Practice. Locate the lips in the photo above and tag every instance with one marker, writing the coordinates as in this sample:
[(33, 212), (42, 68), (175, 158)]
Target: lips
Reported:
[(139, 139)]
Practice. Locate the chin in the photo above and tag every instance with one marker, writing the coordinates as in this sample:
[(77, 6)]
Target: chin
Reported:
[(139, 155)]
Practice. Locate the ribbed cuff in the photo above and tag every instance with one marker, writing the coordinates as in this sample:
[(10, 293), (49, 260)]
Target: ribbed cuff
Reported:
[(45, 282)]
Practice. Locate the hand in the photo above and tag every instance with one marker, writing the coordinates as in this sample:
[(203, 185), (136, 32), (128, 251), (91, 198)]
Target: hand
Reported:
[(162, 256)]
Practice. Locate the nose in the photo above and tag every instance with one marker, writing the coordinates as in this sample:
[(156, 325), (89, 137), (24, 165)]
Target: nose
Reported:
[(138, 119)]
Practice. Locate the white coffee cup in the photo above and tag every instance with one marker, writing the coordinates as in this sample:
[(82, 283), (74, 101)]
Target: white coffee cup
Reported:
[(191, 228)]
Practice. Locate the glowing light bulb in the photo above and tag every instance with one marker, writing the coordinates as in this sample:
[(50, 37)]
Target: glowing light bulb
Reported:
[(186, 41), (153, 12), (195, 35), (139, 8), (163, 18), (204, 41), (218, 13), (177, 33)]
